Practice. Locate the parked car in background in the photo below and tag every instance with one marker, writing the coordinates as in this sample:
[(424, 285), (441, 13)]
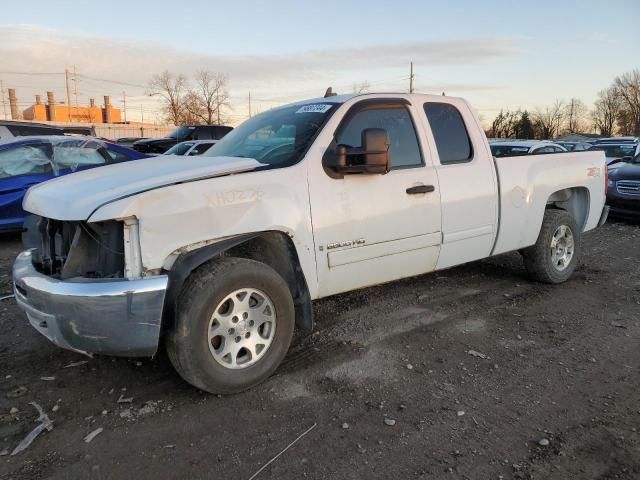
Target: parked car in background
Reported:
[(191, 147), (12, 129), (575, 146), (514, 148), (617, 147), (181, 134), (623, 195), (129, 141), (25, 162)]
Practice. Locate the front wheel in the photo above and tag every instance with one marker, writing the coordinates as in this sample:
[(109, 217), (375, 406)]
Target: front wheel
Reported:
[(234, 325), (554, 256)]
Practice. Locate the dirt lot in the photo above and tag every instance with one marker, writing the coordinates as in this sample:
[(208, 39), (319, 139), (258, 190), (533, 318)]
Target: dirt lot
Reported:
[(562, 364)]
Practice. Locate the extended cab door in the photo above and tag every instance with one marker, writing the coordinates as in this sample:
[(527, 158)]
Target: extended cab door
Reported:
[(373, 228), (468, 183)]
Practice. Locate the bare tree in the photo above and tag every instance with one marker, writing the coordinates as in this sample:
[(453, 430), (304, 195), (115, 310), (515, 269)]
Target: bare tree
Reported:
[(547, 122), (575, 112), (172, 88), (505, 125), (191, 109), (211, 90), (606, 111), (627, 88)]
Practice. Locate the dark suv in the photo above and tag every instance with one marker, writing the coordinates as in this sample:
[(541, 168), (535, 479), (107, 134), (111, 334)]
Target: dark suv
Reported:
[(623, 195), (180, 134)]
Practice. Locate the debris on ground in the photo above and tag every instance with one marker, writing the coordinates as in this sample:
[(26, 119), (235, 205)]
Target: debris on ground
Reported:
[(45, 424), (409, 366), (13, 410), (17, 392), (4, 452), (345, 425), (543, 442), (76, 364), (281, 452), (123, 399), (460, 413), (389, 422), (55, 408), (475, 353), (126, 413), (48, 379), (93, 435), (149, 407)]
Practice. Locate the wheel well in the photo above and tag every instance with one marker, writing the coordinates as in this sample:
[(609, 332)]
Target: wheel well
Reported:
[(272, 248), (574, 200)]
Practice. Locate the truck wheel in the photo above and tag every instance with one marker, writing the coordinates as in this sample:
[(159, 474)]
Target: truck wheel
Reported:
[(234, 325), (555, 255)]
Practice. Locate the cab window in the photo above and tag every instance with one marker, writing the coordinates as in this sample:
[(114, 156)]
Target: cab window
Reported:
[(449, 132), (404, 150)]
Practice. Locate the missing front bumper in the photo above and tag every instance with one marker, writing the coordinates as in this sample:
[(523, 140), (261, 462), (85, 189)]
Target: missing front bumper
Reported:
[(111, 317)]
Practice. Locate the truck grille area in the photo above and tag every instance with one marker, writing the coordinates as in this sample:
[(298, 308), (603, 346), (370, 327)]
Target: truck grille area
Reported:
[(65, 249), (628, 187)]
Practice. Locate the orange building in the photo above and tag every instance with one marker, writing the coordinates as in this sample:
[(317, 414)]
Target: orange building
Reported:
[(53, 112)]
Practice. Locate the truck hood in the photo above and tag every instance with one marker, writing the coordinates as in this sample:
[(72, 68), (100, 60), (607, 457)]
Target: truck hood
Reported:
[(76, 196)]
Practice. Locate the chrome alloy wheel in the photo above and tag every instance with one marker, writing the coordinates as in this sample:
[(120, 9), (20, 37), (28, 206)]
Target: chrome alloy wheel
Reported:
[(562, 248), (242, 328)]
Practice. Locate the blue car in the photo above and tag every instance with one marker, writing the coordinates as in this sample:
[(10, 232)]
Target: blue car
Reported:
[(27, 161)]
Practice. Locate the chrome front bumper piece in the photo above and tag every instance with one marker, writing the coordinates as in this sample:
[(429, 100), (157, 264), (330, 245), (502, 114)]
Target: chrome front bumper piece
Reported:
[(105, 316)]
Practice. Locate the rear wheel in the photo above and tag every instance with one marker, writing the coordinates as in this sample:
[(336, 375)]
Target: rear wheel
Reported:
[(234, 325), (554, 256)]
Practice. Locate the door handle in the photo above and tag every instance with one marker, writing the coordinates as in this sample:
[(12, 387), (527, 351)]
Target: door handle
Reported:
[(421, 189)]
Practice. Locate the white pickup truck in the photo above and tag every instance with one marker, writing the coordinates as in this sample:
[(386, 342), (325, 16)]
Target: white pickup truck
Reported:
[(219, 256)]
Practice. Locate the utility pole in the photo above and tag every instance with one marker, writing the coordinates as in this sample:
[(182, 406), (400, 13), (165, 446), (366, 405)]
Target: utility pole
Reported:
[(411, 77), (4, 105), (66, 78), (141, 121), (124, 103), (249, 104), (75, 90)]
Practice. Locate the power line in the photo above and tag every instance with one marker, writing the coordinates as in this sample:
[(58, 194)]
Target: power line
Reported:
[(31, 73)]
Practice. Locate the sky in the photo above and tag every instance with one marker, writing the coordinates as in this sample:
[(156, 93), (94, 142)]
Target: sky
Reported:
[(496, 53)]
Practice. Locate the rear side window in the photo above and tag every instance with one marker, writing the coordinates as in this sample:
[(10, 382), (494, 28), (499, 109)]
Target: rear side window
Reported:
[(25, 160), (449, 132)]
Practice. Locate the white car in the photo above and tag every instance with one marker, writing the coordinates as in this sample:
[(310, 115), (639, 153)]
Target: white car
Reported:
[(220, 256), (513, 148), (191, 147)]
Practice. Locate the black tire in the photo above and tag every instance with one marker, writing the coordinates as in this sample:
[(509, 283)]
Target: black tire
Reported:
[(538, 258), (187, 342)]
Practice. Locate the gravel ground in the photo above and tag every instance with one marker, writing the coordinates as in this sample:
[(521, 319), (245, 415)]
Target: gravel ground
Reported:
[(470, 373)]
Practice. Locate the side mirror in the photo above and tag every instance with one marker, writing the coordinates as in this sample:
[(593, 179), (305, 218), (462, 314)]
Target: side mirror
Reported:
[(371, 157)]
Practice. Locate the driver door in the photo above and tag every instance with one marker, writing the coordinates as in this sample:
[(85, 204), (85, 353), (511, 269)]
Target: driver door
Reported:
[(374, 228)]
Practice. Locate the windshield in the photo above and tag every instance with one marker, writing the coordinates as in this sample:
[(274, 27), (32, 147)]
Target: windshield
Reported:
[(179, 149), (277, 137), (616, 151), (181, 132), (508, 150)]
